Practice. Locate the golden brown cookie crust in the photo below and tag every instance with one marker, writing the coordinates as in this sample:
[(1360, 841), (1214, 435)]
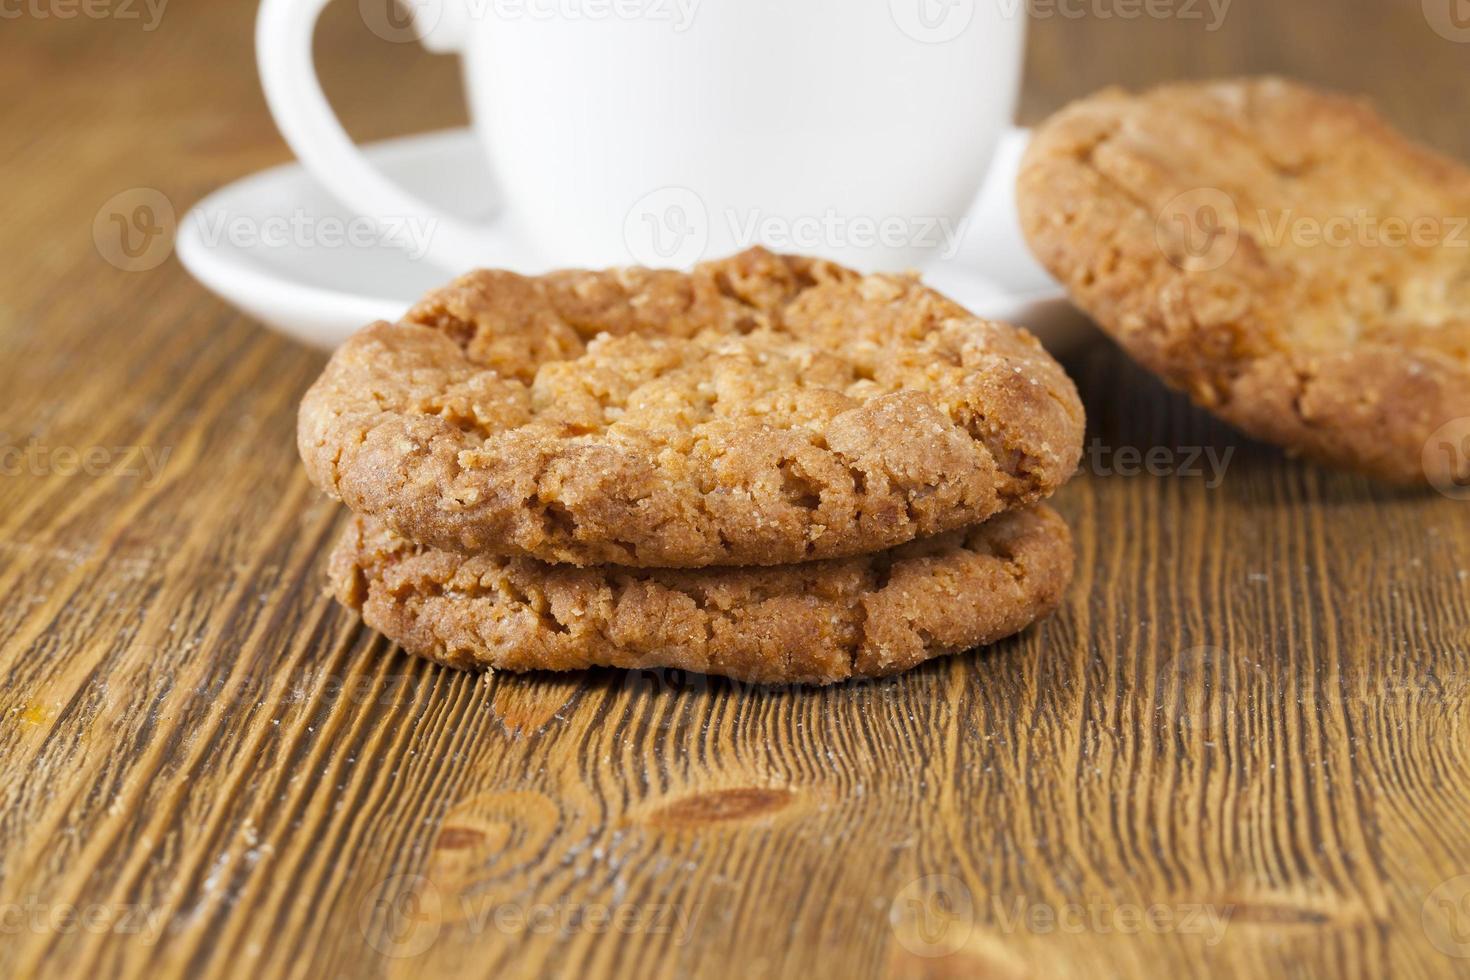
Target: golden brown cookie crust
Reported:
[(761, 410), (819, 622), (1301, 331)]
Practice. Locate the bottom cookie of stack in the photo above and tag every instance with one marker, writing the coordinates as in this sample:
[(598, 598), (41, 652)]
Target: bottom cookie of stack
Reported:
[(817, 623)]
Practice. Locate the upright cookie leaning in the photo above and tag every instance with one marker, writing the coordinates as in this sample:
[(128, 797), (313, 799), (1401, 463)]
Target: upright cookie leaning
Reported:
[(819, 622), (762, 410), (1280, 253)]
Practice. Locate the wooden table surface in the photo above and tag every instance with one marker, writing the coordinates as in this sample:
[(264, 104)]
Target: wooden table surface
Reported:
[(1241, 746)]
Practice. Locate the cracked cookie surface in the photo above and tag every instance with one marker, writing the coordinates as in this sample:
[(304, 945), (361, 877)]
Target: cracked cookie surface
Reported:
[(817, 622), (760, 410), (1280, 253)]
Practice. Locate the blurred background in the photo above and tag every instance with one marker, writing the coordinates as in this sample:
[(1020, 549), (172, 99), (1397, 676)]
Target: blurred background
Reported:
[(164, 94)]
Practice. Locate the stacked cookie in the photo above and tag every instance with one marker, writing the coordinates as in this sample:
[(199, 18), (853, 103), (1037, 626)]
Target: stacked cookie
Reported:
[(771, 468)]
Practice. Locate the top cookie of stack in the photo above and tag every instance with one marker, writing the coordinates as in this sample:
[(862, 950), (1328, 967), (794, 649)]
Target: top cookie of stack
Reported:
[(760, 410)]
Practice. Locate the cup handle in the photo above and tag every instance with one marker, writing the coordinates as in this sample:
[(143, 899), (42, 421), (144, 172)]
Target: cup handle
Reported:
[(283, 47)]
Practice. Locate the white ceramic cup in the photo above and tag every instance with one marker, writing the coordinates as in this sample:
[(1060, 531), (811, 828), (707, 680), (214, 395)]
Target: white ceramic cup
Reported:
[(662, 132)]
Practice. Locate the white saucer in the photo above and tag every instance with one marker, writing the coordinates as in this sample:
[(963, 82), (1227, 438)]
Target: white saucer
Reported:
[(319, 290)]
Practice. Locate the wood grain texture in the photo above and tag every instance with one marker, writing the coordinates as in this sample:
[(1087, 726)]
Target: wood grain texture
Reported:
[(1241, 747)]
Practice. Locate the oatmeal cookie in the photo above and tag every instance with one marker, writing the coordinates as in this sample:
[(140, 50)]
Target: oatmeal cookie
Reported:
[(818, 622), (1278, 252), (760, 410)]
